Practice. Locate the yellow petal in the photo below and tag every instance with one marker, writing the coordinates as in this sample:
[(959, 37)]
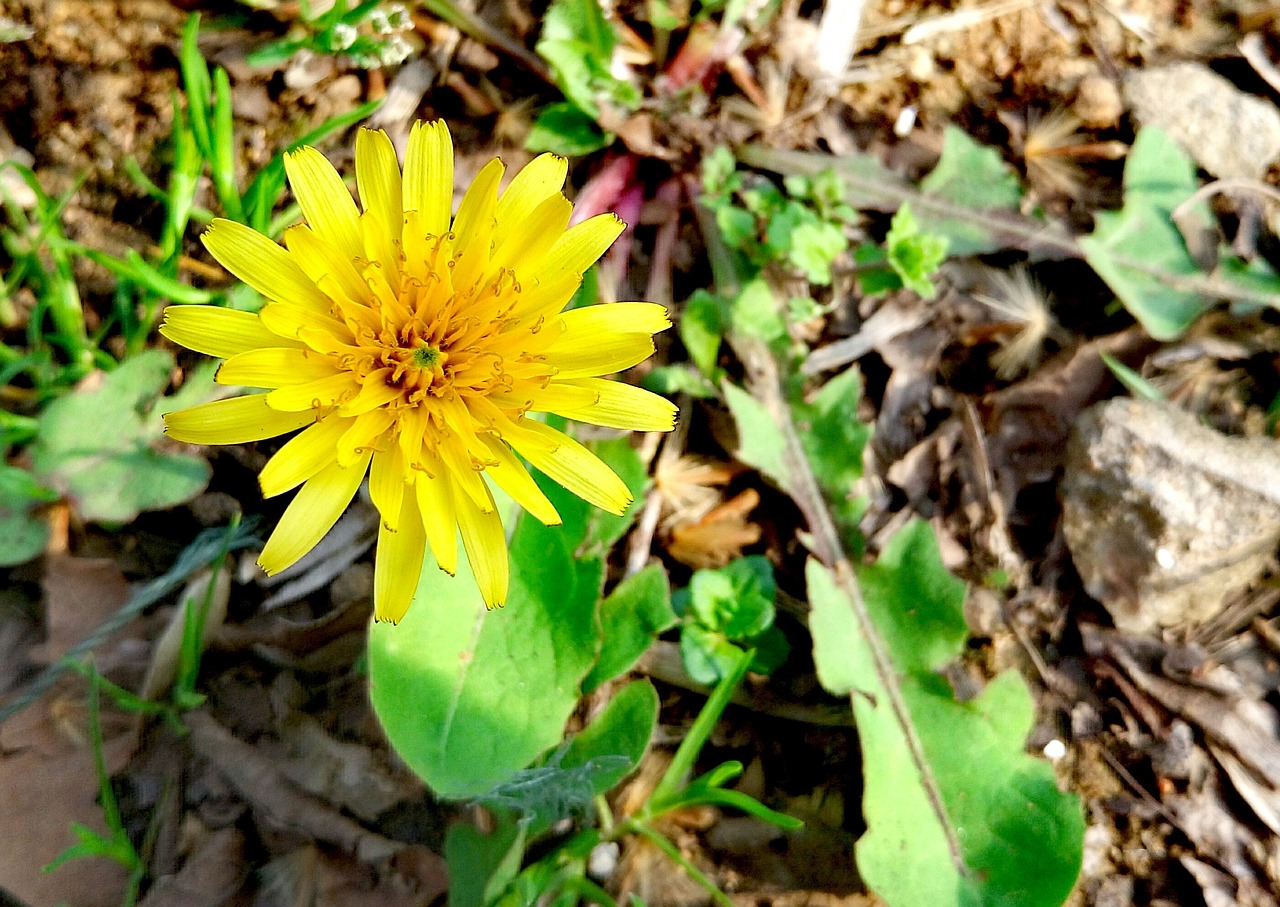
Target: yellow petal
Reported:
[(311, 514), (466, 479), (617, 405), (381, 247), (276, 366), (398, 563), (511, 476), (378, 179), (486, 547), (428, 176), (364, 434), (321, 259), (569, 463), (235, 421), (537, 181), (216, 331), (387, 475), (522, 246), (586, 357), (327, 391), (582, 245), (262, 264), (295, 322), (541, 296), (324, 200), (439, 517), (473, 227), (374, 392), (304, 455), (620, 317)]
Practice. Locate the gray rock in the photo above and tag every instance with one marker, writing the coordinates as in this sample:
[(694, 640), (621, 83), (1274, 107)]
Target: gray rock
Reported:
[(1229, 133), (1165, 518)]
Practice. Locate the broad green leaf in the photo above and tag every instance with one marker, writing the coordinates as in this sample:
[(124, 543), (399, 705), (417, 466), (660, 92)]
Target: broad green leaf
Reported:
[(1018, 839), (622, 729), (564, 128), (760, 444), (973, 176), (467, 696), (102, 446), (630, 619), (482, 865), (669, 380), (1138, 250), (22, 534)]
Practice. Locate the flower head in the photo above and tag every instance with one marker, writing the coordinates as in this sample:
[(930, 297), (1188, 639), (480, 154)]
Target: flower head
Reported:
[(412, 347)]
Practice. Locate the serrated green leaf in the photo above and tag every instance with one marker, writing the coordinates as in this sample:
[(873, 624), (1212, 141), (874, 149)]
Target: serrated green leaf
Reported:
[(760, 444), (914, 254), (1138, 249), (101, 446), (814, 249), (1018, 837), (635, 614), (835, 438), (971, 175)]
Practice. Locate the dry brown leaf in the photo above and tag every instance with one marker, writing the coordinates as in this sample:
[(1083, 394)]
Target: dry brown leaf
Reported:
[(718, 537), (688, 487), (47, 783), (79, 594)]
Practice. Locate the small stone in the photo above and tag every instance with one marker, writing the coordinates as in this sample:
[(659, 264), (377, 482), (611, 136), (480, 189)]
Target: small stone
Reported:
[(1166, 519), (1098, 103), (1228, 132)]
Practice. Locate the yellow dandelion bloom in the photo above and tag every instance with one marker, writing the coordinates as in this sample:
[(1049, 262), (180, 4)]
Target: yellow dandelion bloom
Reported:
[(412, 347)]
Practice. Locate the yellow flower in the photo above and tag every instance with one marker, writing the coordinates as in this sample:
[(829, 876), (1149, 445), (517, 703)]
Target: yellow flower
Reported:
[(413, 349)]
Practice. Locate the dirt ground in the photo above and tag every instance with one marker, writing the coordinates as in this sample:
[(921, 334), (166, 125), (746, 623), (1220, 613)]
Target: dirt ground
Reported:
[(283, 786)]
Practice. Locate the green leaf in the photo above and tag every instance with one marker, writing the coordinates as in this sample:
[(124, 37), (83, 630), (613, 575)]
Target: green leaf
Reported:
[(814, 249), (1017, 837), (1137, 249), (468, 696), (736, 600), (622, 729), (577, 41), (835, 438), (22, 534), (755, 312), (637, 612), (914, 254), (482, 865), (669, 380), (701, 326), (970, 175), (564, 128), (706, 654), (101, 446), (760, 444)]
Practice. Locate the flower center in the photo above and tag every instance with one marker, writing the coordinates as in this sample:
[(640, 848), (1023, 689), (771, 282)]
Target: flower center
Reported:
[(427, 357)]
